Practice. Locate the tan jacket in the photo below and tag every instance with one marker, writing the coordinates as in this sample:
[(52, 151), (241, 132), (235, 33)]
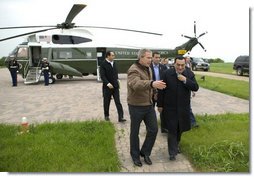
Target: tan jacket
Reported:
[(139, 80)]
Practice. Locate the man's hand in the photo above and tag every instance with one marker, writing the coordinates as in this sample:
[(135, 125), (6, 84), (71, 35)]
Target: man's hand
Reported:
[(159, 84), (181, 77), (110, 86)]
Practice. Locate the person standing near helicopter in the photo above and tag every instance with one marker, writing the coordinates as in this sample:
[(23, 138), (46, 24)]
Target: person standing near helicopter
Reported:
[(13, 68), (110, 86), (45, 69)]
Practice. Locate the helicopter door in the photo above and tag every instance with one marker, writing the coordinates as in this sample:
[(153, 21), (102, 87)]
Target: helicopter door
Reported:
[(35, 55), (33, 72), (101, 54)]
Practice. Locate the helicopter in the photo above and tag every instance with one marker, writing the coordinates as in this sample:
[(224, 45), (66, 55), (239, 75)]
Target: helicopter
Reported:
[(72, 50)]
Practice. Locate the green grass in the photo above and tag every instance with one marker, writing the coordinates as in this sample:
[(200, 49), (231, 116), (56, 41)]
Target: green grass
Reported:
[(220, 144), (59, 147), (231, 87), (226, 68)]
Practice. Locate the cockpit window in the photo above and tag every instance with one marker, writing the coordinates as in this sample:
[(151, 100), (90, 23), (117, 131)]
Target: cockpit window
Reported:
[(63, 39), (22, 53)]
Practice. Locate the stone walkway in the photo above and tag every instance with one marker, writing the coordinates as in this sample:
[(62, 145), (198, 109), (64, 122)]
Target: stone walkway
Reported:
[(80, 99)]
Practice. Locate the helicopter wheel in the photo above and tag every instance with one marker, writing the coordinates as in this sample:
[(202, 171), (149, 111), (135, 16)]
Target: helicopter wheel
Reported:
[(59, 76), (52, 80), (70, 77)]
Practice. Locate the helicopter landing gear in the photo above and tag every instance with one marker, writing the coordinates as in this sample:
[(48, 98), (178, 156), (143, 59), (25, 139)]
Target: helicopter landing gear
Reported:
[(52, 80), (59, 76)]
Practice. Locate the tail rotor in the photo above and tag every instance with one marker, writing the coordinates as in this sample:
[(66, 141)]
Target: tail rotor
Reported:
[(195, 36)]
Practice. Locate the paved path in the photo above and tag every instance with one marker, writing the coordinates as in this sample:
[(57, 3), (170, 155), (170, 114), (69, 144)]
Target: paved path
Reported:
[(80, 99)]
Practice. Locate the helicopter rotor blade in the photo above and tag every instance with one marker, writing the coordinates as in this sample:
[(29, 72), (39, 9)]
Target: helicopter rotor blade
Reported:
[(195, 31), (24, 34), (76, 8), (17, 27), (202, 34), (186, 36), (202, 46), (122, 29)]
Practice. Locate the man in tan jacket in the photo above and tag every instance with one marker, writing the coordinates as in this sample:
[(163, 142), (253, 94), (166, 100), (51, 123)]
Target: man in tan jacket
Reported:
[(140, 87)]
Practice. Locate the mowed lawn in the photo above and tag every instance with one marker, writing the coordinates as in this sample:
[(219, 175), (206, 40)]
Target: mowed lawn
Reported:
[(59, 147)]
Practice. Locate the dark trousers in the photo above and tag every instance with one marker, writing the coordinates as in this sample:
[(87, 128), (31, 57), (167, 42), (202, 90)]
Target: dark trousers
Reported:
[(137, 115), (14, 77), (163, 124), (162, 119), (107, 94), (46, 78), (173, 142)]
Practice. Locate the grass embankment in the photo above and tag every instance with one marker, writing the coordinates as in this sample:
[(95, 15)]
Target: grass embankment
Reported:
[(231, 87), (226, 68), (220, 144), (59, 147)]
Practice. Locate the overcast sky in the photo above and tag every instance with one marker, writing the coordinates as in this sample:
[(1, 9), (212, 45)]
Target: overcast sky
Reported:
[(227, 22)]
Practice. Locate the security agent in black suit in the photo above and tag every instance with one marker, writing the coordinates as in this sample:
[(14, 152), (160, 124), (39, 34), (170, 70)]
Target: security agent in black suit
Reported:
[(13, 68), (157, 70), (110, 87)]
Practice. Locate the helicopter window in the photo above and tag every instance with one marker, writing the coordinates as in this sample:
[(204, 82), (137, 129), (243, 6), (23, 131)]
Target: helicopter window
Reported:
[(73, 53), (99, 54), (89, 54), (63, 39), (22, 53), (65, 54)]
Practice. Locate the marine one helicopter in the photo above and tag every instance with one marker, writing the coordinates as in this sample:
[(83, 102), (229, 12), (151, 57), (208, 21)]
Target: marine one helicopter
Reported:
[(71, 50)]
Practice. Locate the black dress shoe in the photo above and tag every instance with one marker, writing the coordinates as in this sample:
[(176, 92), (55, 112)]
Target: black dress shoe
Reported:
[(107, 118), (146, 159), (137, 163), (172, 157), (121, 120)]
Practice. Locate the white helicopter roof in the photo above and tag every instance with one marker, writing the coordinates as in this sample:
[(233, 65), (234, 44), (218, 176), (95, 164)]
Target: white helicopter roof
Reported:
[(44, 39)]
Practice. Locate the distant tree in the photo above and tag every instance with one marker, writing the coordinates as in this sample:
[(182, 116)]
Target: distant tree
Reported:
[(2, 61), (216, 60)]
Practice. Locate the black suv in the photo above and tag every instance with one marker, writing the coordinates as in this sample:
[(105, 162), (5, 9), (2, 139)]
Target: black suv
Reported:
[(199, 64), (241, 65)]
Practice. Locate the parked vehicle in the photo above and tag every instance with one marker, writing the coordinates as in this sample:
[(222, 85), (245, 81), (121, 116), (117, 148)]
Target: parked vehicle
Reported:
[(241, 65), (199, 64)]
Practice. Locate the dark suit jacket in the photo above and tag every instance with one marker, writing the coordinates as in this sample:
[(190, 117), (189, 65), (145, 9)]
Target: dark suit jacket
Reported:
[(109, 74), (175, 99)]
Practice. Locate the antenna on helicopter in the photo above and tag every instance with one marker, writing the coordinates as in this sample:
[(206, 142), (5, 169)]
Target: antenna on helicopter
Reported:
[(195, 36), (75, 10)]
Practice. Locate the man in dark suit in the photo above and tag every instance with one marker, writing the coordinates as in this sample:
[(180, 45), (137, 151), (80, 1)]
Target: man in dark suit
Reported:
[(157, 70), (110, 87), (174, 102)]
